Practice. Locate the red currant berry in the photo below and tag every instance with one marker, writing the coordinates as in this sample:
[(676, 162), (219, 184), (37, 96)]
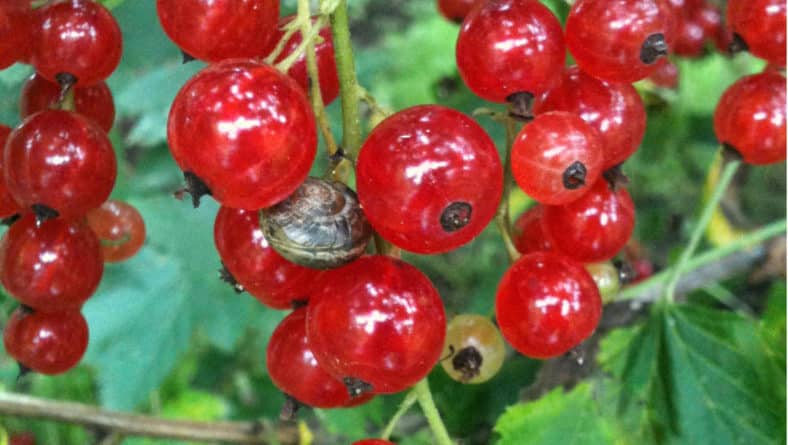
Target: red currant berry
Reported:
[(441, 167), (666, 75), (510, 46), (8, 206), (254, 264), (593, 228), (373, 442), (377, 320), (546, 305), (326, 63), (94, 102), (22, 439), (750, 118), (761, 25), (15, 32), (120, 229), (52, 267), (214, 30), (528, 233), (618, 40), (557, 157), (294, 369), (61, 160), (246, 130), (456, 10), (48, 343), (78, 37), (614, 109)]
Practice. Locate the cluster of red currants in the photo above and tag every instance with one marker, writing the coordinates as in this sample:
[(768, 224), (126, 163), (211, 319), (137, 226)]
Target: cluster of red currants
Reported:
[(58, 169)]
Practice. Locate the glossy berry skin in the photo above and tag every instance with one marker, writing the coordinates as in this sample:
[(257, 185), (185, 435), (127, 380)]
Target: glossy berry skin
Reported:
[(666, 75), (593, 228), (295, 371), (607, 38), (326, 63), (8, 206), (528, 234), (212, 30), (62, 160), (15, 32), (79, 37), (456, 10), (246, 130), (373, 442), (94, 102), (255, 265), (615, 110), (429, 179), (120, 229), (750, 117), (510, 46), (606, 277), (48, 343), (474, 349), (761, 24), (378, 320), (546, 305), (557, 157), (51, 268)]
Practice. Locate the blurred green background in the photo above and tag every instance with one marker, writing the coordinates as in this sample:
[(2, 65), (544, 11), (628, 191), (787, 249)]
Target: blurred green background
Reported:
[(169, 338)]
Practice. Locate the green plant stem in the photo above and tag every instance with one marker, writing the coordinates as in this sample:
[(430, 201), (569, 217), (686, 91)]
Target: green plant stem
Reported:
[(348, 84), (747, 241), (502, 219), (424, 396), (406, 404), (309, 39), (680, 267)]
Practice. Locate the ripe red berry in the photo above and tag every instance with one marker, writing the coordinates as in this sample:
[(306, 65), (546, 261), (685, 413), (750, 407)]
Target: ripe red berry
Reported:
[(295, 371), (546, 305), (750, 117), (255, 265), (246, 130), (214, 30), (8, 206), (619, 40), (94, 102), (61, 160), (429, 179), (510, 46), (22, 439), (593, 228), (456, 10), (78, 37), (52, 267), (326, 63), (48, 343), (761, 25), (666, 75), (557, 157), (15, 31), (377, 320), (614, 109), (528, 234), (120, 229)]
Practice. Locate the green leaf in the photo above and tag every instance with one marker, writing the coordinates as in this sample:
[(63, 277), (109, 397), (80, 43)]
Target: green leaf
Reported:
[(353, 422), (557, 418)]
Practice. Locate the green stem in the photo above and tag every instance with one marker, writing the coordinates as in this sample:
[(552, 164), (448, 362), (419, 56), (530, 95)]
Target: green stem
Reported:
[(751, 239), (406, 404), (711, 206), (502, 219), (309, 39), (424, 396), (348, 84)]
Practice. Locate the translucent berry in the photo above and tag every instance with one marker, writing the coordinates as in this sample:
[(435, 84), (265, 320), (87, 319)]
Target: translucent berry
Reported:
[(456, 10), (15, 31), (606, 277), (528, 234), (8, 206), (474, 350), (120, 229), (94, 102), (760, 24)]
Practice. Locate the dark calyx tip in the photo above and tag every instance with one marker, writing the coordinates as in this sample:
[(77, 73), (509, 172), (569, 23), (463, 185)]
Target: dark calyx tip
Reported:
[(195, 187), (737, 45), (468, 361), (298, 304), (289, 409), (66, 80), (356, 387), (575, 176), (10, 220), (456, 216), (228, 278), (653, 48), (521, 106), (729, 153), (24, 371), (43, 213), (615, 177), (186, 57), (626, 273)]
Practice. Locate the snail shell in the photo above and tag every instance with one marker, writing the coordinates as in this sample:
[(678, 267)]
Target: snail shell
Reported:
[(320, 225)]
